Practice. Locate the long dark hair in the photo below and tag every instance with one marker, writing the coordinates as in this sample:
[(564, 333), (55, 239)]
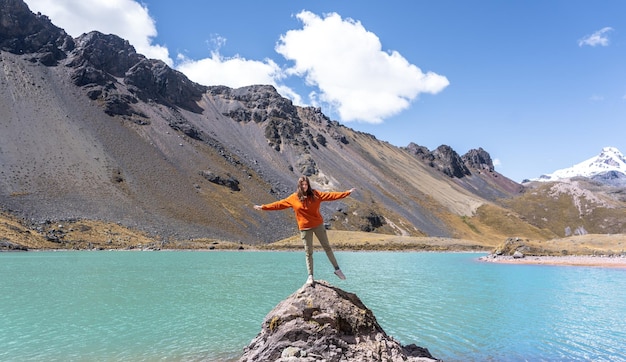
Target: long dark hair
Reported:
[(302, 195)]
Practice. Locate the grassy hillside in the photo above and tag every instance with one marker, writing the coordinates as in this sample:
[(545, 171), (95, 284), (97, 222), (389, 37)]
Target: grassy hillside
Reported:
[(570, 208)]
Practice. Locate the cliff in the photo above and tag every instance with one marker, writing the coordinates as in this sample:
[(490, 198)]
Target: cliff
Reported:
[(321, 322)]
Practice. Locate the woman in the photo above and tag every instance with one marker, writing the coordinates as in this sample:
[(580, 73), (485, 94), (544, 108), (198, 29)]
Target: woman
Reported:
[(305, 203)]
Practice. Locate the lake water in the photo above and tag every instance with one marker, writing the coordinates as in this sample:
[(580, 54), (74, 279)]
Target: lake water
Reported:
[(206, 306)]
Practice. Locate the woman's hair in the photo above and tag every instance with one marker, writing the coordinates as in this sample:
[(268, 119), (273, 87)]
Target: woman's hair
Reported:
[(309, 192)]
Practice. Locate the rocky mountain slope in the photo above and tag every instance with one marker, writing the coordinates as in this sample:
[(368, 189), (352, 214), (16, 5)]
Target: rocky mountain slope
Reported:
[(91, 130)]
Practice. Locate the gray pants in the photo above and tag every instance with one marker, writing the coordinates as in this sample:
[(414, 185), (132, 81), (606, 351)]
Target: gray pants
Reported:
[(307, 238)]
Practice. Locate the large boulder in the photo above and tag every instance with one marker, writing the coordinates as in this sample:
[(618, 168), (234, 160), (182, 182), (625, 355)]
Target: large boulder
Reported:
[(321, 322)]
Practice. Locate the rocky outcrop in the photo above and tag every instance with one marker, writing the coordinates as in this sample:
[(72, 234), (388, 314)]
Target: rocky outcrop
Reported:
[(22, 32), (6, 245), (446, 160), (283, 122), (449, 162), (512, 247), (227, 180), (420, 151), (256, 103), (321, 322), (478, 159), (100, 60), (371, 221), (443, 158)]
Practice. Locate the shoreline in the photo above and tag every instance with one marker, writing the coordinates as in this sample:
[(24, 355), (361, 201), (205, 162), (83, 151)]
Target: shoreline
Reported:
[(597, 261), (600, 261)]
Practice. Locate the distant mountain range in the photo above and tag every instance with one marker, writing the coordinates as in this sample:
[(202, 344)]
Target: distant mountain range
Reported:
[(90, 130), (609, 167)]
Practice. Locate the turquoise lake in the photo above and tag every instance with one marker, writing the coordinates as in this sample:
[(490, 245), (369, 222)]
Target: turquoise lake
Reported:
[(206, 306)]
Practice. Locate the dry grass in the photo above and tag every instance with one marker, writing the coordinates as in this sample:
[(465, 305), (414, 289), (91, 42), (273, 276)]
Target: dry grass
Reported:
[(13, 231), (590, 244), (569, 208), (356, 240), (89, 234), (596, 244)]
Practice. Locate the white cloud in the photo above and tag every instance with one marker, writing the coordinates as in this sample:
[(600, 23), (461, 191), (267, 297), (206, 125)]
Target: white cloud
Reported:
[(125, 18), (233, 72), (496, 162), (598, 38), (354, 75)]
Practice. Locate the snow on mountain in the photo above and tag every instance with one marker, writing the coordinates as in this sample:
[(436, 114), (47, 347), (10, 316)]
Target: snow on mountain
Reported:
[(609, 165)]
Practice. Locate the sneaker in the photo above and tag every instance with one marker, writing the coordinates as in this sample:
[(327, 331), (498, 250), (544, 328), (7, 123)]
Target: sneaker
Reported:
[(339, 273), (310, 280)]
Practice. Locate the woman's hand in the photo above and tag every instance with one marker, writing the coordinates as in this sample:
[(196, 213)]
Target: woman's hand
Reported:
[(352, 190), (258, 207)]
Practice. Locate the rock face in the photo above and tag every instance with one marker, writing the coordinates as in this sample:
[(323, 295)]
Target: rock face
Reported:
[(22, 32), (99, 60), (321, 322), (444, 159), (478, 159)]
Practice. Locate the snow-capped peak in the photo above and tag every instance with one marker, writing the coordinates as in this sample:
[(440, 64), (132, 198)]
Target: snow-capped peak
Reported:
[(610, 159)]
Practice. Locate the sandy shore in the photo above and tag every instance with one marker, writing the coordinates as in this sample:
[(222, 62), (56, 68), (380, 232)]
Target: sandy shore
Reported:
[(573, 260)]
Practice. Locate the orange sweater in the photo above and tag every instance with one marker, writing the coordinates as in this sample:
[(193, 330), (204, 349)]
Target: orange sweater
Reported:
[(308, 213)]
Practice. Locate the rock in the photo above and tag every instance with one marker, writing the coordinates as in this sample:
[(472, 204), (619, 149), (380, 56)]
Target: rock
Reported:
[(22, 32), (101, 60), (228, 181), (518, 255), (7, 245), (321, 322), (478, 159), (371, 221), (444, 159), (420, 151), (449, 162)]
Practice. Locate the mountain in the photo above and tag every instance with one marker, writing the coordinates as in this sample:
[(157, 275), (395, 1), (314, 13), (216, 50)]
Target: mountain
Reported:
[(93, 131), (609, 167)]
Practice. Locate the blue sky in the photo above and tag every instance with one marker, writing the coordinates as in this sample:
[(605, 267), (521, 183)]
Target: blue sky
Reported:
[(539, 84)]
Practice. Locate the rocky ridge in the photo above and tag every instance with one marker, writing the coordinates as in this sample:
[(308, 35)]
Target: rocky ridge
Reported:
[(321, 322), (22, 32)]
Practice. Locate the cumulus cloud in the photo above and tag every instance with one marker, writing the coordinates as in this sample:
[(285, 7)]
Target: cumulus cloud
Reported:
[(352, 72), (600, 37), (234, 71), (127, 19)]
